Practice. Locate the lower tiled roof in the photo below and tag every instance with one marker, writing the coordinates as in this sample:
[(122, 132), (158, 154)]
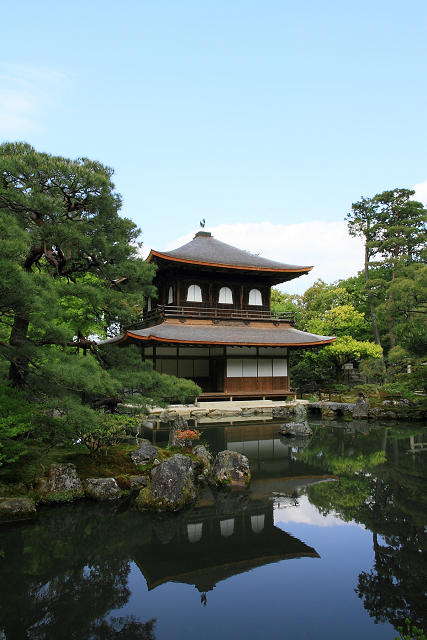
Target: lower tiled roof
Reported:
[(223, 335)]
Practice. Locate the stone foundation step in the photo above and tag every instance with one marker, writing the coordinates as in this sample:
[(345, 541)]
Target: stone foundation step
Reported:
[(230, 404)]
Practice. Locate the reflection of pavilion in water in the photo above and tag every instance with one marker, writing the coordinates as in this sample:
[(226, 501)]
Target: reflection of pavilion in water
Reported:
[(269, 455), (226, 534), (416, 444), (231, 532)]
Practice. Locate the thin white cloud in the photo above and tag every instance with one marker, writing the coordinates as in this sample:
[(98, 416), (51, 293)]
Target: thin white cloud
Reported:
[(326, 245), (421, 192), (306, 513), (25, 93)]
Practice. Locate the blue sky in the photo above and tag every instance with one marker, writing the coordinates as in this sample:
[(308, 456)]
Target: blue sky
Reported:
[(255, 115)]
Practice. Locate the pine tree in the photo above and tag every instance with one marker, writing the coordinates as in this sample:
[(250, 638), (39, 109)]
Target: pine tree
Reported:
[(70, 271)]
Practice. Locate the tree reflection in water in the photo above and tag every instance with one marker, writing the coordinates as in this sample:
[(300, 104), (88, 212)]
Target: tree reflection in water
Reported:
[(64, 575), (383, 485), (127, 628)]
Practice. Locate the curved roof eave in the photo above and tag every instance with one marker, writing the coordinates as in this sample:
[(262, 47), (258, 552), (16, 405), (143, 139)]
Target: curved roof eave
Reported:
[(165, 256), (317, 343), (116, 340)]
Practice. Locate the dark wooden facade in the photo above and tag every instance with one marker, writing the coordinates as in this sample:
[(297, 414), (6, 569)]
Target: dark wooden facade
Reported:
[(226, 370), (212, 322)]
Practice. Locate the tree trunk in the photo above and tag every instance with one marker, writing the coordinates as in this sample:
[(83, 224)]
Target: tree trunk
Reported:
[(389, 317), (390, 331), (18, 370), (373, 316), (390, 299)]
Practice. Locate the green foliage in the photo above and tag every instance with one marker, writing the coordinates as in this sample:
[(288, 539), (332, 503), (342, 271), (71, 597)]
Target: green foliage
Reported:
[(346, 348), (15, 420), (394, 228), (339, 321), (281, 301), (373, 370), (410, 632), (392, 224), (318, 299), (367, 389), (407, 304), (96, 429), (70, 271)]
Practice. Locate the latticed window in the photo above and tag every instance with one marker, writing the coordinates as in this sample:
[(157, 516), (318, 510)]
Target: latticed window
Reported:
[(170, 295)]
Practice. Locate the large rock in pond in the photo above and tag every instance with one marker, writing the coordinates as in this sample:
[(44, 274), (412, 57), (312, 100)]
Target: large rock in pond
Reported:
[(300, 413), (282, 412), (297, 429), (102, 489), (145, 454), (172, 485), (361, 408), (202, 462), (63, 485), (230, 468), (17, 509)]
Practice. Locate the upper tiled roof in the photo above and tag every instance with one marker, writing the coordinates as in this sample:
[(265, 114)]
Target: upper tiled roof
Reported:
[(204, 249)]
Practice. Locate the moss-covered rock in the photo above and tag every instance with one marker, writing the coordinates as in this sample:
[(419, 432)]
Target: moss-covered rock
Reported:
[(102, 489), (230, 468), (300, 429), (17, 509), (172, 485), (139, 482), (63, 484), (202, 461), (145, 454)]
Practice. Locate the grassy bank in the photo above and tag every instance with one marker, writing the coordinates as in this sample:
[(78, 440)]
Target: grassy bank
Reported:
[(22, 477)]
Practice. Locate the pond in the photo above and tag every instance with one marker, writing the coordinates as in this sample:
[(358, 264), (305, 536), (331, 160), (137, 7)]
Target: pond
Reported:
[(330, 542)]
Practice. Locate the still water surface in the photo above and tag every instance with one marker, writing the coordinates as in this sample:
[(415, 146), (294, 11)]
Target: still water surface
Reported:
[(329, 543)]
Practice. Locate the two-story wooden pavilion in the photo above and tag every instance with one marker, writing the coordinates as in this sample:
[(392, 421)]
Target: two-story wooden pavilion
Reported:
[(212, 321)]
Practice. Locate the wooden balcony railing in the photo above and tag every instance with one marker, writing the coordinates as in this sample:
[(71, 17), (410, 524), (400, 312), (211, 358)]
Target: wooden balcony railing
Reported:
[(170, 311)]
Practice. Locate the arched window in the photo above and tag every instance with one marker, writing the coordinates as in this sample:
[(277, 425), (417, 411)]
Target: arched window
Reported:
[(257, 523), (149, 304), (255, 297), (194, 531), (227, 527), (225, 296), (170, 295), (194, 293)]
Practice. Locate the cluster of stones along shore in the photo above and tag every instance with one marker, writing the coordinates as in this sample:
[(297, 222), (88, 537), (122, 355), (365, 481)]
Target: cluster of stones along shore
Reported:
[(387, 409), (166, 485), (170, 484), (401, 409)]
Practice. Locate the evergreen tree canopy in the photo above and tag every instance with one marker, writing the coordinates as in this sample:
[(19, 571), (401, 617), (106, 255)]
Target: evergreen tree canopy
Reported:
[(70, 271), (394, 228)]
